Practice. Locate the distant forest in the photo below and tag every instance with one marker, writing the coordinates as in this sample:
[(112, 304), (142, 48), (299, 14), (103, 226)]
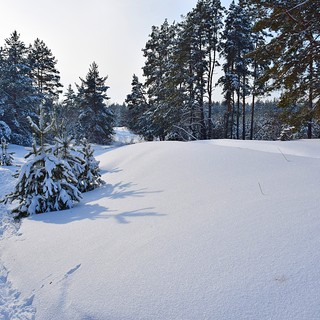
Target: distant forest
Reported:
[(261, 46)]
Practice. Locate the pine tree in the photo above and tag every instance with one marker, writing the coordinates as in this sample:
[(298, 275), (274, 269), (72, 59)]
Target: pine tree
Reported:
[(45, 76), (159, 86), (259, 68), (45, 183), (43, 70), (96, 119), (194, 44), (90, 178), (203, 27), (237, 44), (295, 55)]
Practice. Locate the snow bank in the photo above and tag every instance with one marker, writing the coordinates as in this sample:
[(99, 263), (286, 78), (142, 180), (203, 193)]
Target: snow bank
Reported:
[(200, 230)]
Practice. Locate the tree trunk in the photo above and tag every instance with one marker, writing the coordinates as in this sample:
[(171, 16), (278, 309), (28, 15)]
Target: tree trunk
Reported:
[(310, 101), (244, 108), (253, 99), (232, 116), (252, 116), (238, 113)]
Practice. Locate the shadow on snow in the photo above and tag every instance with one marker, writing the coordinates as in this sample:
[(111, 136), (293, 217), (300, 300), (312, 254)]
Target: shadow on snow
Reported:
[(86, 210)]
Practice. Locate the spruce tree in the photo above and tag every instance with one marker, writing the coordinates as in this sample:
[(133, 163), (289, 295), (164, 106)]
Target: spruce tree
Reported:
[(45, 182), (18, 97), (65, 149), (90, 177), (69, 113), (95, 118)]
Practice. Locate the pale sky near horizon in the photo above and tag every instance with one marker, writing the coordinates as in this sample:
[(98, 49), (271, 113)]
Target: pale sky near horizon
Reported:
[(109, 32)]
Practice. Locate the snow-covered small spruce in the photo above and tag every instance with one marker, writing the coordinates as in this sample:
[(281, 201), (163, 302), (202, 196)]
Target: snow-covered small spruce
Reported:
[(6, 158), (287, 133), (90, 178), (45, 182), (65, 150)]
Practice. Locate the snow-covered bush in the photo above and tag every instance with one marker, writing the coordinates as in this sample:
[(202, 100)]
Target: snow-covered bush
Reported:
[(45, 182), (90, 178), (286, 133), (6, 158), (65, 149)]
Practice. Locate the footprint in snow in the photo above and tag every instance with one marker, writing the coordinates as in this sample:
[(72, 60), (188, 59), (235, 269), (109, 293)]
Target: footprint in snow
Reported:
[(12, 306), (71, 271)]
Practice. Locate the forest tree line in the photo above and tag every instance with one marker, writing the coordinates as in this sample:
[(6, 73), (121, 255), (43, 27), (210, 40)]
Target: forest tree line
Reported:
[(261, 47), (30, 85)]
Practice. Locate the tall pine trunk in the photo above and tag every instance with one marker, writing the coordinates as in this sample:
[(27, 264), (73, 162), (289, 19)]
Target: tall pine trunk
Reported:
[(310, 101), (252, 116), (253, 98), (244, 108), (238, 113)]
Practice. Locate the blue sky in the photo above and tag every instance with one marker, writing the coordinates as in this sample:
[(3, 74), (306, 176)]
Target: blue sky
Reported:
[(109, 32)]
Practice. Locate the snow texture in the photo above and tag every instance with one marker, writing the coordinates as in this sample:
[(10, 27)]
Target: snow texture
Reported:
[(11, 306), (122, 137), (213, 230)]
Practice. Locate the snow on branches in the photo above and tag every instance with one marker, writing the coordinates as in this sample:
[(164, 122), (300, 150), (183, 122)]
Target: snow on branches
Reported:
[(53, 178)]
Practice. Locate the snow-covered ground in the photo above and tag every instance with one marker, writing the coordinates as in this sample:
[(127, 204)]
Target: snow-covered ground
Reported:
[(213, 230), (123, 136)]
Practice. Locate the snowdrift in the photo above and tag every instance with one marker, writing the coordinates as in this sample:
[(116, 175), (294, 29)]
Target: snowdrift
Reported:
[(199, 230)]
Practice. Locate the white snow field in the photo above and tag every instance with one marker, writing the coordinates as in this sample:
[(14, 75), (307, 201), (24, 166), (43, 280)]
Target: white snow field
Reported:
[(212, 230)]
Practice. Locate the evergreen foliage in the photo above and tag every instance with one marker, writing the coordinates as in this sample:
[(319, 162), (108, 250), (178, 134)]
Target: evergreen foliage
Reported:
[(120, 113), (295, 54), (181, 60), (43, 69), (137, 110), (65, 149), (201, 33), (264, 46), (5, 131), (90, 177), (66, 115), (45, 76), (179, 71), (6, 158), (237, 43), (18, 97), (45, 182), (95, 118), (160, 116), (286, 133)]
